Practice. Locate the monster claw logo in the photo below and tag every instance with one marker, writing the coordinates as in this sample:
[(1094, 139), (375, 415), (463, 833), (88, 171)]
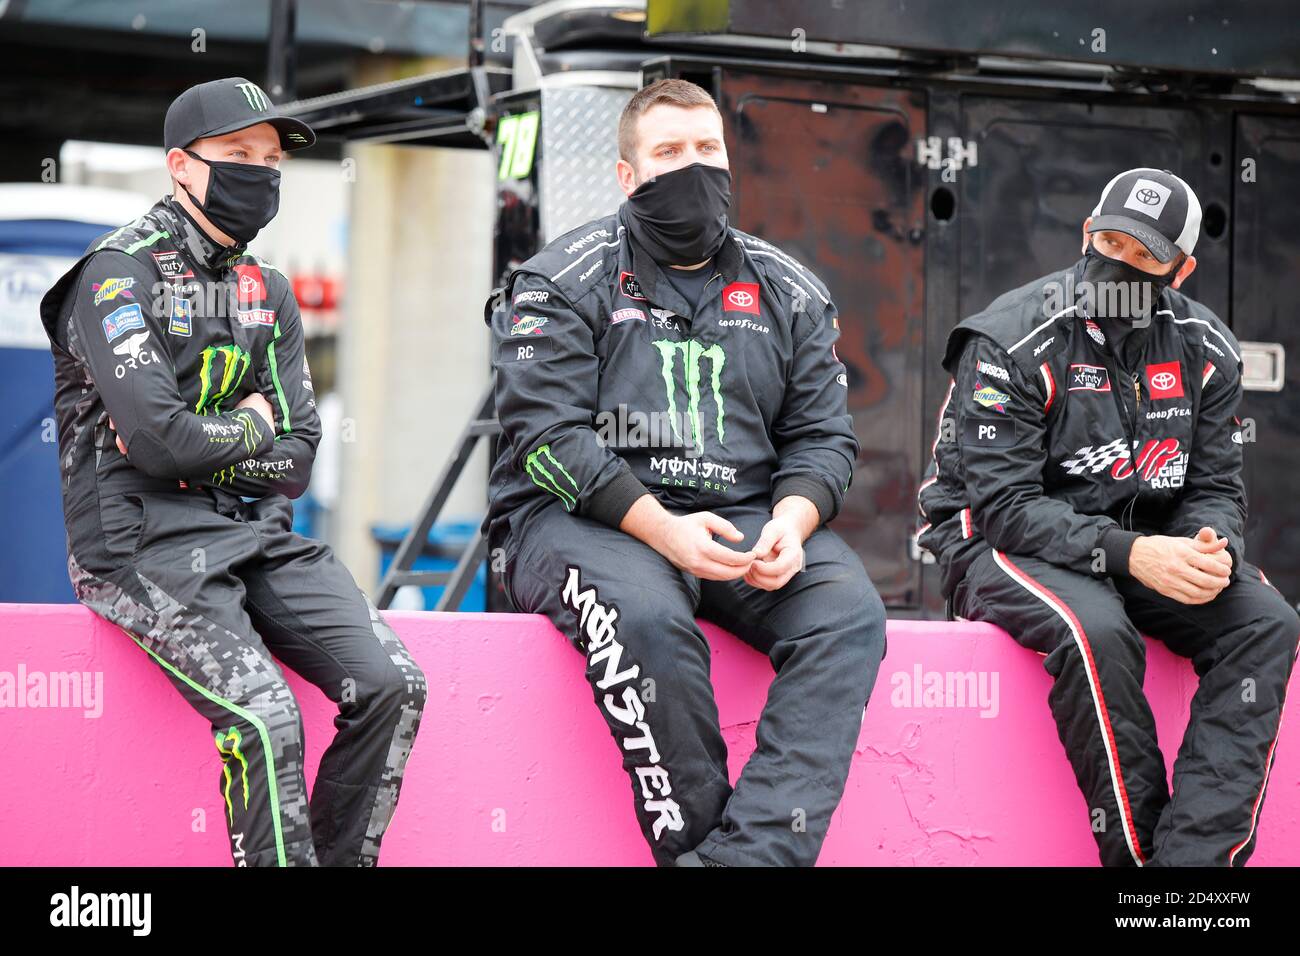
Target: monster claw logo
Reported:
[(692, 352), (235, 363), (539, 465), (253, 93), (232, 736)]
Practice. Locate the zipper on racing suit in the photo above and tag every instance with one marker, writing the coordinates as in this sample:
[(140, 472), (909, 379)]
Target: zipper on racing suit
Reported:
[(1130, 425)]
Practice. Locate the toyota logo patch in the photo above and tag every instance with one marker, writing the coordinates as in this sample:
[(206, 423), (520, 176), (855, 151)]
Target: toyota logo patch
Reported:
[(741, 297), (1165, 380)]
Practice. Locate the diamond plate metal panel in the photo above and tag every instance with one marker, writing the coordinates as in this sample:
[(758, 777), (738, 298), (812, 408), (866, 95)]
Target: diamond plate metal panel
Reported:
[(579, 149)]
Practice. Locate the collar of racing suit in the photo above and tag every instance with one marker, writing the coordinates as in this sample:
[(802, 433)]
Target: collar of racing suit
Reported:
[(200, 248), (728, 261)]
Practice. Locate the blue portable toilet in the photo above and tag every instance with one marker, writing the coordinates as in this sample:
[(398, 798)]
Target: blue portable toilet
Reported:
[(44, 229)]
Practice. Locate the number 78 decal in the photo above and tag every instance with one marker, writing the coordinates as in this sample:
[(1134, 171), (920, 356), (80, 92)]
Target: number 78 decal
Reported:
[(517, 137)]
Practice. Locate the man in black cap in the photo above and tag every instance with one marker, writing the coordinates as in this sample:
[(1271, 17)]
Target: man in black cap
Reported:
[(1086, 487), (182, 389)]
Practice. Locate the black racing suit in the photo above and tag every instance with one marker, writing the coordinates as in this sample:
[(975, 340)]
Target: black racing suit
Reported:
[(1053, 453), (608, 386), (162, 332)]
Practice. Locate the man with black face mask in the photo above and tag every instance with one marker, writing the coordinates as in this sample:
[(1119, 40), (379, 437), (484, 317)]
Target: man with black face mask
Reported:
[(663, 378), (1087, 489), (182, 389)]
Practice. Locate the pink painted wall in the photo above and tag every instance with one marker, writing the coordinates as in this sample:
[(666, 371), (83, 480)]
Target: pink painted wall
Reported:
[(514, 765)]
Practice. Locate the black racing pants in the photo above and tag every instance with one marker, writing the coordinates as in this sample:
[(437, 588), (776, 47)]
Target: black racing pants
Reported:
[(632, 614), (208, 586), (1242, 646)]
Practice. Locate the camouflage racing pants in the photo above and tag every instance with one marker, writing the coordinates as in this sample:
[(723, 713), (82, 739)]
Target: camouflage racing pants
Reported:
[(209, 586)]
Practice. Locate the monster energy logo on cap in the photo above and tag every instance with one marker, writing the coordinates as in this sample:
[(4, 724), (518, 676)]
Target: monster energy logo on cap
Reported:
[(224, 106), (692, 352), (253, 93)]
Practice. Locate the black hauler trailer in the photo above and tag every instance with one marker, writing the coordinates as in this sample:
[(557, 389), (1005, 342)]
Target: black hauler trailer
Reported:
[(922, 158)]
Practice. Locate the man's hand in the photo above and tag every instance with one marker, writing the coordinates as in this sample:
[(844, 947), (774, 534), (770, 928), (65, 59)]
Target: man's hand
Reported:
[(120, 447), (258, 403), (687, 541), (779, 551), (1188, 570), (1207, 541), (778, 554)]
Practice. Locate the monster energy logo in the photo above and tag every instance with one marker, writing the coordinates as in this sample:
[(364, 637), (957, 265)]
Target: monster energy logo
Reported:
[(232, 735), (253, 93), (541, 466), (234, 363), (692, 352), (252, 434)]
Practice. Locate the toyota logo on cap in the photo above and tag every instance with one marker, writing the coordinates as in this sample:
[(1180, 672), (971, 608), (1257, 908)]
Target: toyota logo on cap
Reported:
[(1155, 207)]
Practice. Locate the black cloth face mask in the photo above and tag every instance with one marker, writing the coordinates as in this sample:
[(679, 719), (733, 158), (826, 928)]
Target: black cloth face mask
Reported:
[(242, 197), (680, 217), (1119, 288)]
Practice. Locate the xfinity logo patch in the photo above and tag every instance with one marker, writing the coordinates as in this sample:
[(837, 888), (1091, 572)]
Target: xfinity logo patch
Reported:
[(171, 265), (1089, 378), (629, 286), (1148, 197)]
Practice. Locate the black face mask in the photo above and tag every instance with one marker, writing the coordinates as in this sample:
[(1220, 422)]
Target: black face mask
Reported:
[(242, 197), (680, 217), (1119, 290)]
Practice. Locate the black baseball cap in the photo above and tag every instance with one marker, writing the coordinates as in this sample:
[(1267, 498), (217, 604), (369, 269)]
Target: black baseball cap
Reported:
[(1153, 206), (223, 106)]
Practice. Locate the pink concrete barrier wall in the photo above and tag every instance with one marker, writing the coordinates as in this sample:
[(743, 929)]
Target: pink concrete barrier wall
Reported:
[(514, 765)]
